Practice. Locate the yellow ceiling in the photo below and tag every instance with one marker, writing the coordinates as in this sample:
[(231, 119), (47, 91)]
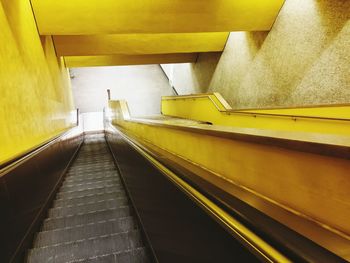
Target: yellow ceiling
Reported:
[(121, 32), (118, 60), (134, 44), (90, 17)]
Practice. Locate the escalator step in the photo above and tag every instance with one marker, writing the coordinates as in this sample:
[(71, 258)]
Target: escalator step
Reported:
[(48, 238), (99, 160), (138, 255), (97, 190), (88, 198), (91, 176), (90, 156), (81, 185), (88, 207), (93, 156), (95, 152), (82, 169), (91, 220), (83, 219), (93, 166), (93, 161), (94, 174), (82, 249)]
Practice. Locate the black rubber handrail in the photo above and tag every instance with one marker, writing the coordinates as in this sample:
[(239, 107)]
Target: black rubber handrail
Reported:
[(29, 153), (20, 158)]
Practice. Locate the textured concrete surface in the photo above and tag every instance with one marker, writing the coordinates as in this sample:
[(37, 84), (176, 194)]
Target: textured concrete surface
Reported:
[(190, 78), (303, 60), (141, 86)]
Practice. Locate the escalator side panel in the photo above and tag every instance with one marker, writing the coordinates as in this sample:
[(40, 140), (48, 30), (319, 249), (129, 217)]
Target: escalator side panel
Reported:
[(26, 191), (179, 231)]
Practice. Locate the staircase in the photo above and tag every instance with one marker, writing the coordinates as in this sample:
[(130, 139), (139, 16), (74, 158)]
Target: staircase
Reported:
[(91, 219)]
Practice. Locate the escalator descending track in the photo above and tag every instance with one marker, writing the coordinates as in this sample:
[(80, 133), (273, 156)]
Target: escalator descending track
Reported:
[(178, 229), (127, 211), (91, 219)]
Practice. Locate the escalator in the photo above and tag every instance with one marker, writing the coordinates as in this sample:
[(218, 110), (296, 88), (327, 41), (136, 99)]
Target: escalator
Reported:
[(127, 212), (162, 189), (273, 178), (91, 219)]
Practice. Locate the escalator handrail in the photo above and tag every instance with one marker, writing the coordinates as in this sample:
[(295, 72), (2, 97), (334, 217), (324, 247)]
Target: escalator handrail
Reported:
[(252, 241), (22, 157), (254, 112)]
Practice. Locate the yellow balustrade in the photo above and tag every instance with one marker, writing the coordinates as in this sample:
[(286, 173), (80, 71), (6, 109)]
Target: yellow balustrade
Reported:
[(311, 187), (214, 109)]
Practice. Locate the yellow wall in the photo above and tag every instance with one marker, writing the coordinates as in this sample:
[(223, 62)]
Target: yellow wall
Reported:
[(213, 108), (35, 96)]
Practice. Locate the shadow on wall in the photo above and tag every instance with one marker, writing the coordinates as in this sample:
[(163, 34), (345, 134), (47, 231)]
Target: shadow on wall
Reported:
[(204, 69), (189, 78), (303, 60)]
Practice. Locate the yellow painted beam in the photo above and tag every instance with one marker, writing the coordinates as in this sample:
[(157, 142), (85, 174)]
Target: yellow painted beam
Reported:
[(213, 108), (137, 44), (120, 60), (88, 17)]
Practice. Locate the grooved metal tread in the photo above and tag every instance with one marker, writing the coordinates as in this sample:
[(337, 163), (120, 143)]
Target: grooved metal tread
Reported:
[(85, 248), (90, 177), (81, 232), (88, 198), (91, 220), (88, 185), (87, 174), (81, 219), (86, 208), (138, 255), (97, 201), (88, 191)]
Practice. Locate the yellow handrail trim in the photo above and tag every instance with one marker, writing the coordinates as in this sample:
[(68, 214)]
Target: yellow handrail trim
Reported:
[(248, 238), (212, 108)]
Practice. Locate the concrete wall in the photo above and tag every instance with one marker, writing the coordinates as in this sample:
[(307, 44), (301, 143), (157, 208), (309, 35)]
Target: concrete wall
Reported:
[(141, 86), (303, 60), (189, 78), (35, 95)]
